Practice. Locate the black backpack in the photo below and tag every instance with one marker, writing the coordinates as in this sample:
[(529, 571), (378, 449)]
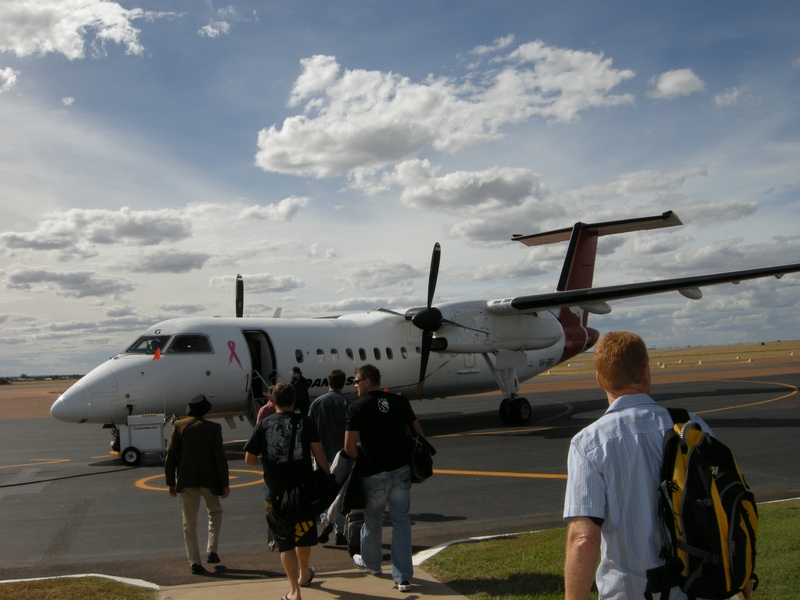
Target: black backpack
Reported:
[(707, 515)]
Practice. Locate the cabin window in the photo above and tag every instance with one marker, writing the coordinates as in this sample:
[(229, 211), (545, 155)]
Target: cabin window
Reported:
[(298, 356), (403, 352), (362, 354), (349, 354), (377, 353), (419, 350), (389, 354), (189, 344), (148, 344), (320, 355), (334, 355)]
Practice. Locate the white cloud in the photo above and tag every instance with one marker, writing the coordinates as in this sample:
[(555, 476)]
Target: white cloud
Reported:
[(796, 63), (371, 119), (214, 29), (181, 308), (74, 284), (489, 189), (728, 97), (675, 83), (74, 232), (259, 283), (8, 77), (694, 212), (498, 44), (61, 26), (68, 101), (637, 182), (169, 261), (285, 210), (380, 274), (659, 243)]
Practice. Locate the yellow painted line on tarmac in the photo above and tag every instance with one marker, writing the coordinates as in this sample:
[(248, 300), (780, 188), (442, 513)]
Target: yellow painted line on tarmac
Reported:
[(512, 431), (144, 483), (38, 462), (794, 391), (501, 474)]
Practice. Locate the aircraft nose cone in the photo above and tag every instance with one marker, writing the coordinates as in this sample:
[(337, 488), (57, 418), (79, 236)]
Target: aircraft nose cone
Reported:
[(70, 406)]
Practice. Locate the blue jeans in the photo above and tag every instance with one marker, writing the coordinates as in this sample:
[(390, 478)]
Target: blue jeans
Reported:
[(394, 488)]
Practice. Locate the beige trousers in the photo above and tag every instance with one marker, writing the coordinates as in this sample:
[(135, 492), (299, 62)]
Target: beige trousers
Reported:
[(190, 507)]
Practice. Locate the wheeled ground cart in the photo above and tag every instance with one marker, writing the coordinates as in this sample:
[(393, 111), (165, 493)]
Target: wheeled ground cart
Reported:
[(143, 434)]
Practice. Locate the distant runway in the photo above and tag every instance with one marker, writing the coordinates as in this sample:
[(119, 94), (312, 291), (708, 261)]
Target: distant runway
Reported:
[(67, 507)]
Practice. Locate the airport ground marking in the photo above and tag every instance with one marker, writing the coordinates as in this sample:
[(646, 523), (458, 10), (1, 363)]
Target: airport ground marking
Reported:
[(39, 462), (794, 392), (144, 483), (501, 474)]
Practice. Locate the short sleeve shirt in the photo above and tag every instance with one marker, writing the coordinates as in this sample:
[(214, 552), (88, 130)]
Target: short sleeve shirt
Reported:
[(271, 439), (613, 474), (380, 418)]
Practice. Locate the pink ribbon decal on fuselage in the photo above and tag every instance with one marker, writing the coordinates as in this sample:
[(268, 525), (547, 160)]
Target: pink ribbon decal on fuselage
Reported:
[(232, 348)]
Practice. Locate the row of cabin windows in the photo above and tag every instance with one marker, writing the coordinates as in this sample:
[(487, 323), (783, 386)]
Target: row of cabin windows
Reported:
[(362, 354)]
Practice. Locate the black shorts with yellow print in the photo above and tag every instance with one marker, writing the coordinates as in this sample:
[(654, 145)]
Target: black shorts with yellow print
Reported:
[(285, 535)]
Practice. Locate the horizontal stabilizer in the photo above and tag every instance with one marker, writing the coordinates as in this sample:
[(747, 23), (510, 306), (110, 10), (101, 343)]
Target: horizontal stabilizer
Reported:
[(667, 219)]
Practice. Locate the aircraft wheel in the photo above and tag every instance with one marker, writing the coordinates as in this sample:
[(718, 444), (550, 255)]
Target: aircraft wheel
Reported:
[(521, 410), (505, 411), (131, 456)]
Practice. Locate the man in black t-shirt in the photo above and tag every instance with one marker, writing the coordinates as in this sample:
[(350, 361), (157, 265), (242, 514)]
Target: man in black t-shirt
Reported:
[(286, 466), (380, 420), (301, 385)]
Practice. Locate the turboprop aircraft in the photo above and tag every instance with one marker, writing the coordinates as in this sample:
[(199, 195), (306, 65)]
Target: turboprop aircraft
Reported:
[(448, 349)]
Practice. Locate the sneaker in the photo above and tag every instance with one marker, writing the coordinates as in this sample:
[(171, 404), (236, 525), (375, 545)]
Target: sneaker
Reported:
[(359, 562), (403, 586), (213, 557), (198, 570)]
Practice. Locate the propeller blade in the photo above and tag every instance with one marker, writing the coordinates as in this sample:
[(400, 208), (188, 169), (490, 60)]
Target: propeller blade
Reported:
[(239, 297), (436, 257), (427, 338)]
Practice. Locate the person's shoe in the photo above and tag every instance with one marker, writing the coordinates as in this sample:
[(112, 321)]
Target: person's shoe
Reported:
[(198, 570), (213, 557), (341, 539), (326, 533), (403, 586), (359, 562)]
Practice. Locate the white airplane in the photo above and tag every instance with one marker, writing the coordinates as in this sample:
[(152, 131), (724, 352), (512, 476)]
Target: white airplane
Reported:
[(454, 348)]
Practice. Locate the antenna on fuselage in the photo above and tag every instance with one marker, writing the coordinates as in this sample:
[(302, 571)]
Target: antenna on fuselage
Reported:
[(239, 297)]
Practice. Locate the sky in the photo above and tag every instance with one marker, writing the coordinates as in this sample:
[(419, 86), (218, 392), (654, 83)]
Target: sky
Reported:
[(150, 151)]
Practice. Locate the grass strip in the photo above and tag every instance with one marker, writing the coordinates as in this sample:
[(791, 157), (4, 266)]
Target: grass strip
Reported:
[(531, 566), (74, 588)]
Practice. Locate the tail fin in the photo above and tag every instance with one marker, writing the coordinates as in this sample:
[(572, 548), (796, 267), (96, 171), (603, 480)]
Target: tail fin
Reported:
[(578, 270)]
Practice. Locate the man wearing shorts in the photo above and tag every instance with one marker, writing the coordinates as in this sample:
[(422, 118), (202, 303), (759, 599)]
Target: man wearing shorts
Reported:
[(284, 468)]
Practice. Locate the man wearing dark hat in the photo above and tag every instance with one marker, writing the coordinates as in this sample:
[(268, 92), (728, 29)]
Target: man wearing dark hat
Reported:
[(195, 452)]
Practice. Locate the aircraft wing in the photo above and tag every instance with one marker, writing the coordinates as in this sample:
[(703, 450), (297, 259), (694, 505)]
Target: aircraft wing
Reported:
[(593, 299)]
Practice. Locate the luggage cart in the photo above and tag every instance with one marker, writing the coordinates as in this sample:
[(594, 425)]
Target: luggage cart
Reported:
[(144, 434)]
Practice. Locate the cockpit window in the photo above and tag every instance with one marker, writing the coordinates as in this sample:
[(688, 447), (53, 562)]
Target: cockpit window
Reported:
[(189, 344), (148, 344)]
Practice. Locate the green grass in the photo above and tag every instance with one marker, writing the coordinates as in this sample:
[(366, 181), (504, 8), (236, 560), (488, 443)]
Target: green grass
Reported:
[(75, 588), (529, 566)]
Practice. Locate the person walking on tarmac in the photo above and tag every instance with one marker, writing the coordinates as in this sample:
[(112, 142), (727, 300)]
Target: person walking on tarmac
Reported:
[(379, 420), (196, 455), (300, 384)]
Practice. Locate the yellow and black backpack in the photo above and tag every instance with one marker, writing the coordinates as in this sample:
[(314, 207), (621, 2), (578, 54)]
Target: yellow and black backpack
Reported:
[(707, 514)]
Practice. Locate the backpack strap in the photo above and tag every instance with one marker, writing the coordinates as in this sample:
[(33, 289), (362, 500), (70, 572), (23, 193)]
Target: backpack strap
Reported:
[(679, 415)]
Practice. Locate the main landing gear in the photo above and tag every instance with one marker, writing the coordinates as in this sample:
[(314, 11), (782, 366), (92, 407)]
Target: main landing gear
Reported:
[(515, 410)]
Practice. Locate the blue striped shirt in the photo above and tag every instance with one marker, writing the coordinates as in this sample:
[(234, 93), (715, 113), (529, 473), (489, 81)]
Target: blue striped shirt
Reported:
[(613, 474)]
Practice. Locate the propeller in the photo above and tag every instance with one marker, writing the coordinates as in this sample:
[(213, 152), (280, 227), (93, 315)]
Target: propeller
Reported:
[(239, 297), (428, 319)]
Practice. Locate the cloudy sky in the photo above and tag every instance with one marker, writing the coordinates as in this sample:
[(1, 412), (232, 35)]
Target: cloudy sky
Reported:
[(151, 150)]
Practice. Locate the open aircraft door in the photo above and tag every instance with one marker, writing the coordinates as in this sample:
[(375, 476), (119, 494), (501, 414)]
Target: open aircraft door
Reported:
[(263, 371)]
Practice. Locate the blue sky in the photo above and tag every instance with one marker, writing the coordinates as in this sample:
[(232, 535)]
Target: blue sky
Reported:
[(150, 151)]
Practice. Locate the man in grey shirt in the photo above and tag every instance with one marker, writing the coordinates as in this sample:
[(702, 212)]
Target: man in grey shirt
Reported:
[(329, 413)]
